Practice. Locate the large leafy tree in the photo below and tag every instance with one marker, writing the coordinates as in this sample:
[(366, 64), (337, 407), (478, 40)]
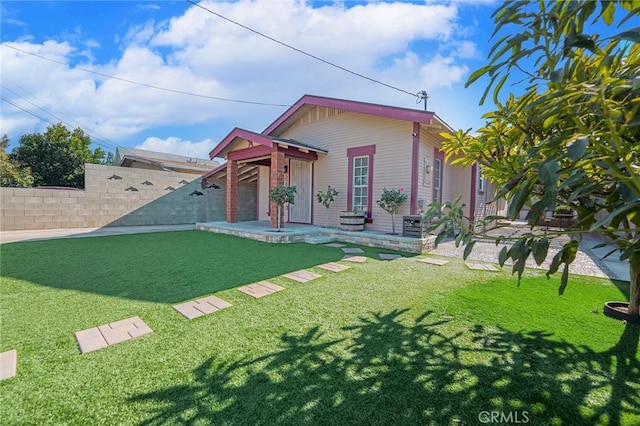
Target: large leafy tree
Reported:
[(57, 156), (11, 173), (571, 137)]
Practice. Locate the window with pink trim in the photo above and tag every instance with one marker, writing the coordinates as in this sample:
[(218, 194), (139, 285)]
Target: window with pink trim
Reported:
[(360, 183)]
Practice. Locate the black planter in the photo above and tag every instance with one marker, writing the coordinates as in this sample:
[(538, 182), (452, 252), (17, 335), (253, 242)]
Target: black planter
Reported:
[(611, 311)]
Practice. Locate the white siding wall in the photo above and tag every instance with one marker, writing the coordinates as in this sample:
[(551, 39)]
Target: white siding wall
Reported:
[(456, 181), (336, 131)]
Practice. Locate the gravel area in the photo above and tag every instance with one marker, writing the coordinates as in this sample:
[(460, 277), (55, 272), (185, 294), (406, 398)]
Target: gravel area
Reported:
[(586, 263)]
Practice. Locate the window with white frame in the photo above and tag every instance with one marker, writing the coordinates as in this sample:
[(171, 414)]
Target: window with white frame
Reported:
[(360, 184), (437, 180), (481, 182)]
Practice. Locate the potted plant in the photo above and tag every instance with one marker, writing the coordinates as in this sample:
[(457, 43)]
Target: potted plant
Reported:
[(390, 201), (326, 198), (282, 195)]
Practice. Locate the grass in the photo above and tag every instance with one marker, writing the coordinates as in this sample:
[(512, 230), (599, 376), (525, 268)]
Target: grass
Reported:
[(396, 342)]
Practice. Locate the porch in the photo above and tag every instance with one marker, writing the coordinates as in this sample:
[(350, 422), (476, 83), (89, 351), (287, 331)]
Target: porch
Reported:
[(261, 230)]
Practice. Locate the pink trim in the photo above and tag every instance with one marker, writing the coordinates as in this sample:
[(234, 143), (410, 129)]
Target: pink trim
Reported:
[(214, 171), (258, 195), (472, 207), (359, 151), (405, 114), (295, 153), (415, 167), (248, 153), (437, 154), (241, 134), (313, 184)]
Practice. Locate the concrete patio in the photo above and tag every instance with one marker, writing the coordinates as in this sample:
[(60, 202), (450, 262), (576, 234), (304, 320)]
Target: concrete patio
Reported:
[(297, 233)]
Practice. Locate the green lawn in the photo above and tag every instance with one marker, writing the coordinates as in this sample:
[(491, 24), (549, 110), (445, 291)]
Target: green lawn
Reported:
[(398, 342)]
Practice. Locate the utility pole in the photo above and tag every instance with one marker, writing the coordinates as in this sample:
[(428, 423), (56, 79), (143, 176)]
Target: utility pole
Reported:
[(422, 96)]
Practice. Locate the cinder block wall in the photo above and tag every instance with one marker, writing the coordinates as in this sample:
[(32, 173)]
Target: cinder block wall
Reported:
[(120, 196)]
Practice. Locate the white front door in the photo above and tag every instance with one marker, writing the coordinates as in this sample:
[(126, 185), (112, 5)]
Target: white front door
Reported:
[(300, 177)]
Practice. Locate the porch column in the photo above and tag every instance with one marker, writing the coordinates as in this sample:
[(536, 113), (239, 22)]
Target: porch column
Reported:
[(232, 191), (277, 179)]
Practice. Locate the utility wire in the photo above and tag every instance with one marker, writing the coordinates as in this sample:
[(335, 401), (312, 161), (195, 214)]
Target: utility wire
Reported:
[(145, 84), (302, 51), (105, 144), (27, 111)]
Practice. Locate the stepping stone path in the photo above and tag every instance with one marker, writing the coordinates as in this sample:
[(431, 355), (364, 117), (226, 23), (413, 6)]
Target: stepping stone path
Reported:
[(260, 289), (100, 337), (302, 276), (199, 307), (333, 267), (336, 245), (432, 261), (481, 267), (8, 363), (357, 259), (388, 256), (352, 250)]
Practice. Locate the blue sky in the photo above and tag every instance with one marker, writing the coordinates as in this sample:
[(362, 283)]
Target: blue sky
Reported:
[(414, 46)]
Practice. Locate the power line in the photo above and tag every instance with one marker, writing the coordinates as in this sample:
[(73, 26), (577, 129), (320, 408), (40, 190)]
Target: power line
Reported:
[(151, 86), (28, 112), (302, 51), (105, 144)]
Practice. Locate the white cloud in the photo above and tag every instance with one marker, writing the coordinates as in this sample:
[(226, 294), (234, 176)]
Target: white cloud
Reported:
[(175, 145), (198, 52)]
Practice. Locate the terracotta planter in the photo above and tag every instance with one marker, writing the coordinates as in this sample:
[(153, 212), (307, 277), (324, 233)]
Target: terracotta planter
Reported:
[(618, 310)]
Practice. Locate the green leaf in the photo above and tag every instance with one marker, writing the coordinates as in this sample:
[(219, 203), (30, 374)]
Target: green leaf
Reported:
[(631, 35), (502, 257), (555, 264), (477, 74), (540, 250), (577, 148), (612, 215), (548, 173), (608, 7), (467, 250), (564, 280), (519, 199), (557, 76)]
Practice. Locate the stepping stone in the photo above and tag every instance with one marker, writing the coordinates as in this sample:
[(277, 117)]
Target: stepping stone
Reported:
[(102, 336), (357, 259), (432, 261), (302, 276), (352, 250), (8, 363), (333, 267), (199, 307), (481, 266), (260, 289), (388, 256), (336, 245)]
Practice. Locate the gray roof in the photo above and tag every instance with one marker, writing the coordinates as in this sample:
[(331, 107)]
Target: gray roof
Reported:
[(124, 156)]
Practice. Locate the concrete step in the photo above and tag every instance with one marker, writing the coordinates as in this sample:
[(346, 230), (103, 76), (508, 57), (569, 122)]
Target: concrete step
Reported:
[(319, 239)]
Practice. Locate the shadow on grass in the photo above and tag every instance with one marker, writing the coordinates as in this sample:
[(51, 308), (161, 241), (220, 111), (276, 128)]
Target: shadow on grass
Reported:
[(390, 370), (163, 267)]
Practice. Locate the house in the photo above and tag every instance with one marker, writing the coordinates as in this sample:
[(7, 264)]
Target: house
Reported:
[(151, 160), (358, 148)]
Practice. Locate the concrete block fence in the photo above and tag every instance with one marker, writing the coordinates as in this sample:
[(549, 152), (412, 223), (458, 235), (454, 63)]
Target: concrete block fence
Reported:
[(120, 196)]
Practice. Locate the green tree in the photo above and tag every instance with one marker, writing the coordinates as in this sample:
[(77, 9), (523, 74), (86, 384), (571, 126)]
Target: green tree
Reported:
[(390, 201), (571, 138), (12, 174), (282, 195), (57, 156)]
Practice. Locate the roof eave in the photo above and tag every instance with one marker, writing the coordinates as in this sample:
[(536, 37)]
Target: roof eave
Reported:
[(405, 114)]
